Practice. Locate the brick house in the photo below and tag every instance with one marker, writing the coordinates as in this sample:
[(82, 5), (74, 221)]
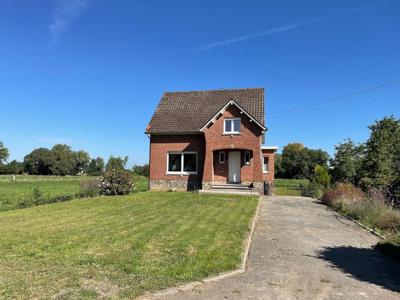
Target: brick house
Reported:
[(208, 139)]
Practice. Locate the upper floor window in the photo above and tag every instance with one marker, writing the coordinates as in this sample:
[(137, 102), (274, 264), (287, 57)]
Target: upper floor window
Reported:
[(232, 126)]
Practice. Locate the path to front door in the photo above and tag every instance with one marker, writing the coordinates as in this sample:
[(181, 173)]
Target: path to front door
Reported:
[(234, 166)]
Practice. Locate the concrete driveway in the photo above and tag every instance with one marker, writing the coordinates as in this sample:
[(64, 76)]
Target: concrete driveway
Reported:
[(303, 250)]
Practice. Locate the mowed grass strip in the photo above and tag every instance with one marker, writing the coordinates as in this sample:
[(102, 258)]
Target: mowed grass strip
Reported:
[(121, 246)]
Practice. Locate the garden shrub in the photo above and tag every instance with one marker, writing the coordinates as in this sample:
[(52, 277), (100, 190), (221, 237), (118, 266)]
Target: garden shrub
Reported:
[(312, 189), (321, 176), (116, 182), (342, 192), (89, 188)]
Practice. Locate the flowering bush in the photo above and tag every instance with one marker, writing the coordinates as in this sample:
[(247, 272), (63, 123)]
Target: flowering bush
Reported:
[(116, 182)]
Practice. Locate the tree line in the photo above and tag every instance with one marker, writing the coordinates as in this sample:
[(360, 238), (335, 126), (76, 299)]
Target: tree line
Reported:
[(374, 163), (61, 160)]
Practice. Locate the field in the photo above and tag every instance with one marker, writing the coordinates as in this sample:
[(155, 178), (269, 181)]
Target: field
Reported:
[(289, 187), (12, 193), (120, 247)]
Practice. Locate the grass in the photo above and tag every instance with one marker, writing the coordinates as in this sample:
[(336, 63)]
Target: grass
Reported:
[(12, 193), (289, 187), (120, 246)]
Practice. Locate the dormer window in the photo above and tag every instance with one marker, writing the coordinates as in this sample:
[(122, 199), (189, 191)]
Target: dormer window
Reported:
[(232, 126)]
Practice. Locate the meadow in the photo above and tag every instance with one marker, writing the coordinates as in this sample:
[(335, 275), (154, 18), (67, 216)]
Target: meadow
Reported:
[(119, 247), (13, 193)]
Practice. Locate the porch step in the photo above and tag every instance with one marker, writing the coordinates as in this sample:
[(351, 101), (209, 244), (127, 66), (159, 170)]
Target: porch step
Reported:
[(249, 192), (230, 186)]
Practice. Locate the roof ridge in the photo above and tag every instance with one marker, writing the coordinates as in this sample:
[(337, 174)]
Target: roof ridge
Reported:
[(215, 90)]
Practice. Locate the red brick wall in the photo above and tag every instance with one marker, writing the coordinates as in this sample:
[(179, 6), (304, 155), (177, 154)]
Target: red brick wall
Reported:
[(271, 164), (249, 139), (161, 145)]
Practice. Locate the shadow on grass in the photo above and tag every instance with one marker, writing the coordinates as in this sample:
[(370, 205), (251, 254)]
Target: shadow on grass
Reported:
[(364, 264)]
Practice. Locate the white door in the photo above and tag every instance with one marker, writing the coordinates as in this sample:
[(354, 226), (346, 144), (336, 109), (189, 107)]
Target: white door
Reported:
[(234, 167)]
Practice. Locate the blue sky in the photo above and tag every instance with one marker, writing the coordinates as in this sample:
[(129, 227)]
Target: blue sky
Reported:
[(90, 73)]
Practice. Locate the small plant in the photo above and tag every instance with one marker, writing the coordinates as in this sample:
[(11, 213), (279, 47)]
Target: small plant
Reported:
[(116, 182)]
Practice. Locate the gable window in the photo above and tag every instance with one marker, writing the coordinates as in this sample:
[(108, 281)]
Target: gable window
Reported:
[(246, 157), (221, 157), (182, 163), (265, 164), (232, 126)]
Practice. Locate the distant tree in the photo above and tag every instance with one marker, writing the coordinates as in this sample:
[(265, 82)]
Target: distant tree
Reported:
[(116, 163), (382, 161), (38, 162), (299, 161), (63, 160), (3, 153), (346, 166), (96, 167), (82, 160), (292, 161), (141, 170), (279, 170), (13, 167)]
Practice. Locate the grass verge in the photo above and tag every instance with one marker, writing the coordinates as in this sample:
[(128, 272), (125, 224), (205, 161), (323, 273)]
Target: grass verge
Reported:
[(120, 246)]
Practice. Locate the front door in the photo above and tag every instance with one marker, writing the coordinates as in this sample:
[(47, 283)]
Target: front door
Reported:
[(234, 166)]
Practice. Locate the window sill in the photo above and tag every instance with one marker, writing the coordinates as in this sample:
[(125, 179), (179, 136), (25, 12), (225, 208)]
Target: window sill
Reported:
[(232, 133), (265, 172), (181, 173)]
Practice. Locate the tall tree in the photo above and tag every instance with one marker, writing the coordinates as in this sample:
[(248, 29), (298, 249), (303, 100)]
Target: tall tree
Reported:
[(63, 160), (346, 166), (96, 167), (299, 161), (382, 161), (38, 162), (3, 153), (82, 160), (118, 163)]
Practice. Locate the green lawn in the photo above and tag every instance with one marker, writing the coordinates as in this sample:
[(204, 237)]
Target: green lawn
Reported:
[(289, 187), (14, 192), (120, 246)]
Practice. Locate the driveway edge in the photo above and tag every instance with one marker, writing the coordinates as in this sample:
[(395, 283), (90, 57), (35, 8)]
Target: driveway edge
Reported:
[(191, 285)]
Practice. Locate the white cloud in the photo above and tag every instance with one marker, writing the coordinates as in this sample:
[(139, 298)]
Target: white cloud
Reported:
[(65, 13), (258, 34)]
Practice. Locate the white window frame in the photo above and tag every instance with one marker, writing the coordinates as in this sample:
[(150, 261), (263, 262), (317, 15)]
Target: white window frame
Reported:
[(221, 161), (182, 153), (232, 127), (244, 158), (263, 163)]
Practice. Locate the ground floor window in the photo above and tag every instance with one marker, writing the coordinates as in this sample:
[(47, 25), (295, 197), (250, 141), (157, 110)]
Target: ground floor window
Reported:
[(182, 162), (265, 164)]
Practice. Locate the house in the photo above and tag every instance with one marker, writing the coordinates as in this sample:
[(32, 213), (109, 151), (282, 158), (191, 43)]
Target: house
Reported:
[(209, 139)]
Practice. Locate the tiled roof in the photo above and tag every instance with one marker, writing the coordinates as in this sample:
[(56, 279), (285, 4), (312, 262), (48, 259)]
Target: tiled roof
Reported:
[(188, 112)]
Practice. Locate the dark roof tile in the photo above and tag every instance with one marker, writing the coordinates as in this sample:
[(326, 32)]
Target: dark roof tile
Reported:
[(188, 112)]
